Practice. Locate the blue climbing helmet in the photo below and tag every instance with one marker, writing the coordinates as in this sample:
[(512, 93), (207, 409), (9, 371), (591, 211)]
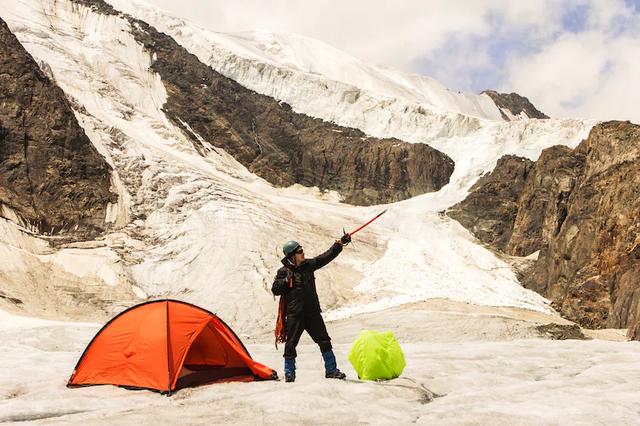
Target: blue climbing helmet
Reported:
[(290, 247)]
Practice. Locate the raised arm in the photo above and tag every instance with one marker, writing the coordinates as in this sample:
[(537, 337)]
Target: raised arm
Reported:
[(326, 257)]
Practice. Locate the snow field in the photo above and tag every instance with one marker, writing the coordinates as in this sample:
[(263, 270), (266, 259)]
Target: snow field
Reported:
[(483, 379)]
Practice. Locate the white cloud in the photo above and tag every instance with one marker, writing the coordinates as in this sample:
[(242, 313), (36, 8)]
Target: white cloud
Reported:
[(562, 73), (384, 32), (592, 74)]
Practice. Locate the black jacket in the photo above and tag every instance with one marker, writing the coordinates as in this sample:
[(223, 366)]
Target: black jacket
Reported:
[(302, 297)]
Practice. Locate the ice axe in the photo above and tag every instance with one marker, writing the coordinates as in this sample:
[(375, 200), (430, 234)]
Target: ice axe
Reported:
[(366, 224)]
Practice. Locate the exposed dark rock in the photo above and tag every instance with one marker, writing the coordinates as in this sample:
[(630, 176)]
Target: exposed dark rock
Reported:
[(51, 176), (278, 144), (98, 6), (581, 209), (515, 104), (591, 268), (490, 208), (542, 205), (561, 331), (634, 330), (10, 299)]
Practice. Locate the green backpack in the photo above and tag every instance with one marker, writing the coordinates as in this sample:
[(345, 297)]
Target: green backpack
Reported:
[(376, 356)]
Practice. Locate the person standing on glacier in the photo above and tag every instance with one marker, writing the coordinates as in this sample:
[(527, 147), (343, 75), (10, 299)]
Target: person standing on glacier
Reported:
[(299, 308)]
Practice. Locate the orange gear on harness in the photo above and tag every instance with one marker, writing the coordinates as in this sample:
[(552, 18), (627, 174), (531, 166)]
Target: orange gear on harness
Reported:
[(281, 321)]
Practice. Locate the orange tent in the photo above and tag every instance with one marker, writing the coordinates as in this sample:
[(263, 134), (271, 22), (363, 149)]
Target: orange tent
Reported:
[(165, 345)]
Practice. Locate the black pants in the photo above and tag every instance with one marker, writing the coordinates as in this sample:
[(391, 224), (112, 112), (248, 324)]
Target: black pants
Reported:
[(313, 324)]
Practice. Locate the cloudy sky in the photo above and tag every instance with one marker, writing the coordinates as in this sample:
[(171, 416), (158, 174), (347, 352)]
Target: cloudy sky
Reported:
[(577, 58)]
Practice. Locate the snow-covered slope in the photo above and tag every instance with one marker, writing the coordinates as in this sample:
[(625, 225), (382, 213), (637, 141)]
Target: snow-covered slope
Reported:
[(206, 230), (289, 55), (321, 81), (353, 94)]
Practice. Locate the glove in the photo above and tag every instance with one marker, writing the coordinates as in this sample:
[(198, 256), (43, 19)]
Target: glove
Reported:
[(287, 278), (345, 239)]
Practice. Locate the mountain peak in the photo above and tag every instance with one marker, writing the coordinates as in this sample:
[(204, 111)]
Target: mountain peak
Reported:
[(514, 104)]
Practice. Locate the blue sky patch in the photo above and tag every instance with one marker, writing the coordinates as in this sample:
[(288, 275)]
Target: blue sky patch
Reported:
[(575, 19), (450, 65), (633, 4)]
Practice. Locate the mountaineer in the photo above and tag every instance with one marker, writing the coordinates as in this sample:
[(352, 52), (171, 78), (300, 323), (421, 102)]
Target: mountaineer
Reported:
[(299, 308)]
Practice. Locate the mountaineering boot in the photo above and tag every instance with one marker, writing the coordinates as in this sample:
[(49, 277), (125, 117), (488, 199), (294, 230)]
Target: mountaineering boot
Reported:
[(337, 374), (289, 369), (330, 368)]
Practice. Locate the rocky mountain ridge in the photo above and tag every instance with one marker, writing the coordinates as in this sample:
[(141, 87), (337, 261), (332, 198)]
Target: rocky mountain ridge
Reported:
[(580, 209), (52, 179), (514, 104), (275, 142)]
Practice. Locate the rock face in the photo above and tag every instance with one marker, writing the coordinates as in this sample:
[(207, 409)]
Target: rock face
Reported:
[(52, 179), (580, 208), (542, 205), (491, 207), (278, 144), (515, 104), (592, 265)]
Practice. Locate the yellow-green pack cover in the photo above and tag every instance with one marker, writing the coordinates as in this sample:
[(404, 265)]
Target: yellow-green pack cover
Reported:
[(376, 356)]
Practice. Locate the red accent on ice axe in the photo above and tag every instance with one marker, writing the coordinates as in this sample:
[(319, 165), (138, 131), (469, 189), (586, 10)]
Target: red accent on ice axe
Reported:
[(377, 216)]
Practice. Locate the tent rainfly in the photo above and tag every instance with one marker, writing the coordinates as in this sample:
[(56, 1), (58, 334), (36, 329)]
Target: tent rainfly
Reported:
[(166, 345)]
